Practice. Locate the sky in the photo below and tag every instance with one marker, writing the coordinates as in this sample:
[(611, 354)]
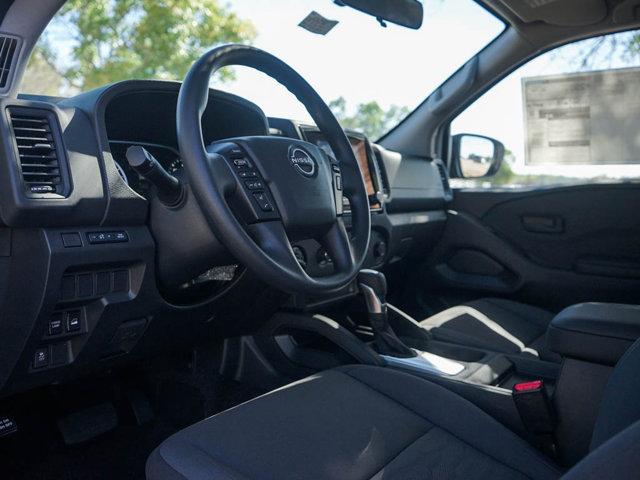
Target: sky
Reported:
[(362, 61), (359, 59)]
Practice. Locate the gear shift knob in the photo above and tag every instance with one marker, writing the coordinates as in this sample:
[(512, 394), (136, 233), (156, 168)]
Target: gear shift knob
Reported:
[(376, 281), (373, 285)]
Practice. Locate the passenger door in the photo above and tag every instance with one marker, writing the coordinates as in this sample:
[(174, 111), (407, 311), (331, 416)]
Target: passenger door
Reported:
[(559, 222)]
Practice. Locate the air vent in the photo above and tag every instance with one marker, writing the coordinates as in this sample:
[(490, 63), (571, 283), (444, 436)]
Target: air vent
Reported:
[(8, 46), (36, 134), (444, 178), (384, 180)]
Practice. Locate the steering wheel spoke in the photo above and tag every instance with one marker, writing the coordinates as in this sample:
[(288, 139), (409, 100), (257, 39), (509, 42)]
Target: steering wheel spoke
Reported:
[(220, 173), (272, 238), (336, 242)]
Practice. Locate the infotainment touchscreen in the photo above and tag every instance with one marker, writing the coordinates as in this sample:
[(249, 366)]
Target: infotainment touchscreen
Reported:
[(360, 148)]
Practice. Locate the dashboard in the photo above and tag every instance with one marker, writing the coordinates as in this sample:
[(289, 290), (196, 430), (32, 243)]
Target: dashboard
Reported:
[(83, 263), (169, 157)]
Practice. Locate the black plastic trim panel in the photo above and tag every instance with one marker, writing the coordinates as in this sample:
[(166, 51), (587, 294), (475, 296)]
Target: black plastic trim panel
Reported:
[(86, 202)]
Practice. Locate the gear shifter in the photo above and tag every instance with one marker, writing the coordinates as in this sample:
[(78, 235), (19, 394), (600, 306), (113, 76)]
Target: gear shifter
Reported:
[(373, 285)]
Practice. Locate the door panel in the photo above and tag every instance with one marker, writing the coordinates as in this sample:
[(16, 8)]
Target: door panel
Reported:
[(552, 247)]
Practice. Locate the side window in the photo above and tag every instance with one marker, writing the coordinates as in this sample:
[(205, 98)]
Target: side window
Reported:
[(570, 116)]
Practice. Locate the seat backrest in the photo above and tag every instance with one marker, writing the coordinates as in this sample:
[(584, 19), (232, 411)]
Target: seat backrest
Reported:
[(616, 458), (620, 405), (616, 436)]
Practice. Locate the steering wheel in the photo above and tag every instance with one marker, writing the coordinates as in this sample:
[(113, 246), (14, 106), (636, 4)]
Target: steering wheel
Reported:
[(260, 193)]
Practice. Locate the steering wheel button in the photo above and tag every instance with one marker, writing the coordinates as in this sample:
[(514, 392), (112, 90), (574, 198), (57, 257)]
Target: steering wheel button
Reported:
[(254, 184), (236, 153), (247, 174), (263, 202), (241, 163), (338, 182)]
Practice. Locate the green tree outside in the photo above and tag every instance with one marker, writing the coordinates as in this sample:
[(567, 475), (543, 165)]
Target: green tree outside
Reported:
[(369, 117), (123, 39), (42, 75)]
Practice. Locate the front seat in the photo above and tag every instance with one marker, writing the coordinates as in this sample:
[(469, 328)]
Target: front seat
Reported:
[(494, 324), (364, 422)]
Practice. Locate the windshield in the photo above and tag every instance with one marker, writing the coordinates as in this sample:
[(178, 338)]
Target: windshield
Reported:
[(371, 75)]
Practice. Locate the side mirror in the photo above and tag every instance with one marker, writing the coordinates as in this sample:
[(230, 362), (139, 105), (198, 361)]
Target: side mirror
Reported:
[(476, 156)]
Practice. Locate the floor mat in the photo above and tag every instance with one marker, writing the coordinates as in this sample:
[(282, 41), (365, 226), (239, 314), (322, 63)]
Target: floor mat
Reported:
[(182, 397)]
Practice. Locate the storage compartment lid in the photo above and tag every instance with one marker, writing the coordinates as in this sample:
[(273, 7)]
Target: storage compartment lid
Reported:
[(595, 332)]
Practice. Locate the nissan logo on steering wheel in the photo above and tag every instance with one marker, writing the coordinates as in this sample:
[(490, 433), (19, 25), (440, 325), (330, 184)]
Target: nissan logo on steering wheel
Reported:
[(302, 162)]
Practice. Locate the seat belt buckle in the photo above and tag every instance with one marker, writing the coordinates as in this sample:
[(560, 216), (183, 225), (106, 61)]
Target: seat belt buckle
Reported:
[(534, 407)]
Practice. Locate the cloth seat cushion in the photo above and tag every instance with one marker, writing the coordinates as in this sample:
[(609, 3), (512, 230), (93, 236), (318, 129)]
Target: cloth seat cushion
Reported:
[(494, 324), (355, 422)]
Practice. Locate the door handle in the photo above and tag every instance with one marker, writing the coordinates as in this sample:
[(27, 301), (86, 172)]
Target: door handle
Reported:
[(543, 223)]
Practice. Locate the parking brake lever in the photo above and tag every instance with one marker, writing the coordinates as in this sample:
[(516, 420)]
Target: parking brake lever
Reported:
[(373, 285)]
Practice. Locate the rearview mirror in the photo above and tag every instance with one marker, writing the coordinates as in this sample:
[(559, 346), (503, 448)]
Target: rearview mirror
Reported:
[(476, 156), (407, 13)]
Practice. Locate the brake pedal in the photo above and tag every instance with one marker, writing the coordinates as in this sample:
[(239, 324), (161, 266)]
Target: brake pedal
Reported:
[(88, 423)]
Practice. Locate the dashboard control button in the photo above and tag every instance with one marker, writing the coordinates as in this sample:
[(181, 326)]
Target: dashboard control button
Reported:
[(97, 237), (121, 281), (247, 174), (380, 249), (68, 289), (120, 237), (55, 324), (107, 237), (298, 252), (103, 283), (85, 285), (323, 258), (263, 202), (73, 321), (254, 184), (7, 426), (70, 240), (59, 354), (41, 357)]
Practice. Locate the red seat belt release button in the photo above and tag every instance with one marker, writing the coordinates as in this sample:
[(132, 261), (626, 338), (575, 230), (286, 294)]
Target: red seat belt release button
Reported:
[(528, 386), (534, 406)]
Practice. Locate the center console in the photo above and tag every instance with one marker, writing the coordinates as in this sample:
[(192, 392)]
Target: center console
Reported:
[(553, 405), (296, 344)]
